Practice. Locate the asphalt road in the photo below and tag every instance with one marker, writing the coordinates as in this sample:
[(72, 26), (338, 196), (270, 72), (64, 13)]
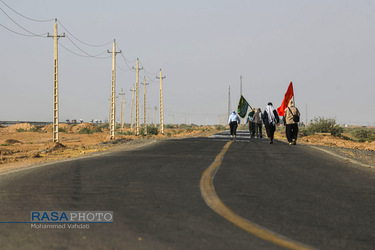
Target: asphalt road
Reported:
[(154, 192)]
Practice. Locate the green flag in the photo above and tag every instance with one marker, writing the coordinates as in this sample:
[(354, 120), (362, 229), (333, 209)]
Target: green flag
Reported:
[(242, 107)]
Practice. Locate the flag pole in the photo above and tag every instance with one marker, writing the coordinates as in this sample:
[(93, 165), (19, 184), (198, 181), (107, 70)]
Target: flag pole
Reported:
[(294, 102)]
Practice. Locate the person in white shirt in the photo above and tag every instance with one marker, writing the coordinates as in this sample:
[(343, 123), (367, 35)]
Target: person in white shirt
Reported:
[(233, 121)]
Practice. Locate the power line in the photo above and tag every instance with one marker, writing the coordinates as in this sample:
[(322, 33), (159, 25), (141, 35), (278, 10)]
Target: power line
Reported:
[(125, 60), (41, 35), (91, 45), (84, 55), (131, 68), (130, 61), (125, 70), (148, 71), (87, 54), (149, 78), (15, 32), (32, 19), (152, 73), (148, 74)]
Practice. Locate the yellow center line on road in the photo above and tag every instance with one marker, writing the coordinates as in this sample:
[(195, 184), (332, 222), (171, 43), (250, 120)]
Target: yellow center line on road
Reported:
[(213, 201)]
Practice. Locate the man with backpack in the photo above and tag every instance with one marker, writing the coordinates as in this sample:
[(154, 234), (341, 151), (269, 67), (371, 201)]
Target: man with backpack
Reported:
[(291, 119)]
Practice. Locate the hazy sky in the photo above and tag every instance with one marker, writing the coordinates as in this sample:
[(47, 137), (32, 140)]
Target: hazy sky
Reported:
[(326, 48)]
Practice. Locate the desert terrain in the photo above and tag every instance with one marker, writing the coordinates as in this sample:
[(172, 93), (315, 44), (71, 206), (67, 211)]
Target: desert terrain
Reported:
[(23, 145)]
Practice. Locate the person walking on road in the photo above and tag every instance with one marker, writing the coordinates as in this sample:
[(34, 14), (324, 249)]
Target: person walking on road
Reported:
[(291, 123), (270, 119), (250, 121), (257, 118), (233, 121)]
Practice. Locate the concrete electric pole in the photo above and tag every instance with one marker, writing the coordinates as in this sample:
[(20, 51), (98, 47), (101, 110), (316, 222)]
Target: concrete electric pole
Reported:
[(161, 102), (55, 86), (112, 121), (137, 98), (156, 108), (132, 112), (148, 115), (144, 105), (229, 108), (240, 86), (122, 94)]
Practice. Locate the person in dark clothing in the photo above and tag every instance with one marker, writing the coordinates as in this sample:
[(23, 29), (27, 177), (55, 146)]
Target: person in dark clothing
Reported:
[(271, 120), (251, 123), (257, 118), (291, 126)]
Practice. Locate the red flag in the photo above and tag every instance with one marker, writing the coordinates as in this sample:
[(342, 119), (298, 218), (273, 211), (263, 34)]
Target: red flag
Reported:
[(288, 95)]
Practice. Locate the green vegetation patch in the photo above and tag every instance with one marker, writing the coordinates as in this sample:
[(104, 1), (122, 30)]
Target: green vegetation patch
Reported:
[(323, 125)]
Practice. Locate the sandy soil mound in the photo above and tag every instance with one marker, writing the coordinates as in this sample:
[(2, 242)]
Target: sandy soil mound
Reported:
[(24, 126), (81, 126), (66, 127), (48, 128), (329, 140)]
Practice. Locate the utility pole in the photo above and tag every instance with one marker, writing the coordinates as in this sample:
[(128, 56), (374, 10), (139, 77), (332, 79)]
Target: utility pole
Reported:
[(122, 94), (161, 103), (144, 105), (156, 108), (240, 85), (55, 85), (229, 102), (112, 121), (131, 122), (109, 117), (137, 98), (148, 116)]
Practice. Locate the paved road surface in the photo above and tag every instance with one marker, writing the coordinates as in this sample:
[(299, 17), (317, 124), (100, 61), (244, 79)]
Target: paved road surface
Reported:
[(298, 192)]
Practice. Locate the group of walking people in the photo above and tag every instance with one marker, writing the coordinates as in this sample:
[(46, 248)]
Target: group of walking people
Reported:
[(270, 119)]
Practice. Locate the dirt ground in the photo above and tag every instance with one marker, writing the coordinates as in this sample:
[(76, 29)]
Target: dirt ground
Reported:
[(21, 148), (331, 141)]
